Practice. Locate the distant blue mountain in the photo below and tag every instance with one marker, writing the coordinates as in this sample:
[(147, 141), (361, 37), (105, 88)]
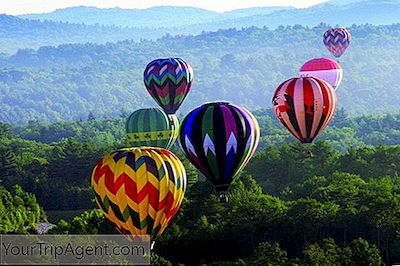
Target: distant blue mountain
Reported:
[(195, 20), (85, 24), (342, 2), (155, 17), (246, 12), (336, 12)]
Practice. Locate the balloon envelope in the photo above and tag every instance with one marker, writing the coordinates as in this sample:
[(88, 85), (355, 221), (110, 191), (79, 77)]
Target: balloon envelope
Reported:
[(337, 41), (219, 139), (152, 127), (304, 106), (139, 189), (323, 68), (168, 80)]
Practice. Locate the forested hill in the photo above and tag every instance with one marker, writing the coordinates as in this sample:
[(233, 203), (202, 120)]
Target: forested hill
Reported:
[(243, 66), (343, 13), (84, 24), (187, 19), (26, 33)]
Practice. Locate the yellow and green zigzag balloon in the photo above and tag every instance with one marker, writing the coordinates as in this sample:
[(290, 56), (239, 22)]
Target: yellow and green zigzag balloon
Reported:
[(139, 189)]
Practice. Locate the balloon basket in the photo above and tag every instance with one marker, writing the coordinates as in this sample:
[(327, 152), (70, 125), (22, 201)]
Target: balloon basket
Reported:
[(223, 197)]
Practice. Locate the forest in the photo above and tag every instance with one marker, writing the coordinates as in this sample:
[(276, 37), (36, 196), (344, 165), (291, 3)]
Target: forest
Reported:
[(243, 66), (333, 202), (337, 207)]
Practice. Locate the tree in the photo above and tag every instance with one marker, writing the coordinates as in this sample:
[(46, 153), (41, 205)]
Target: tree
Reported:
[(5, 130), (362, 253), (327, 255), (270, 255), (19, 211), (359, 252), (7, 163), (340, 119), (91, 117), (88, 222)]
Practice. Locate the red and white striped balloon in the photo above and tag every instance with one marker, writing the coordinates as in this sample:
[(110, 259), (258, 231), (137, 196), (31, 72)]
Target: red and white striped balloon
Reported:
[(323, 68), (305, 106)]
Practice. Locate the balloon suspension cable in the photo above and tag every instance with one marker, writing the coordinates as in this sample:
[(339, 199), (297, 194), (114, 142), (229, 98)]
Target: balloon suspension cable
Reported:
[(309, 153), (308, 145), (223, 197), (170, 119)]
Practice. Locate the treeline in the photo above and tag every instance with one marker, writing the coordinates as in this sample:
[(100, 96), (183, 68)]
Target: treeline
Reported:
[(242, 66), (344, 131), (54, 161)]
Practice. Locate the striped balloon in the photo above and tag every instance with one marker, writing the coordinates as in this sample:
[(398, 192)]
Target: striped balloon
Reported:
[(219, 139), (323, 68), (139, 189), (304, 106), (152, 127), (168, 80), (337, 40)]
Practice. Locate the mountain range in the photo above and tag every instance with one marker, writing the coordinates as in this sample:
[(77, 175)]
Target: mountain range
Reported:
[(332, 12), (154, 17), (90, 24)]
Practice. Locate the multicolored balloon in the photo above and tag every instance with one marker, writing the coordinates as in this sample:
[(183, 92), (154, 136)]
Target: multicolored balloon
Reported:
[(168, 80), (219, 138), (305, 106), (323, 68), (139, 189), (152, 127), (337, 40)]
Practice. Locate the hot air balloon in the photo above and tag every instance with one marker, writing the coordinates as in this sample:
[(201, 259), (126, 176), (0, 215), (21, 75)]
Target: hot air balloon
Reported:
[(168, 80), (152, 127), (337, 41), (304, 106), (219, 138), (323, 68), (139, 189)]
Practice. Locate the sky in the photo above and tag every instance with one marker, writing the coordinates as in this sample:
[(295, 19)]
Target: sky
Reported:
[(17, 7)]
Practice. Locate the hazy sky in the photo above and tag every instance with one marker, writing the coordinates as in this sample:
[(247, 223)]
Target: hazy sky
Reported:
[(14, 7)]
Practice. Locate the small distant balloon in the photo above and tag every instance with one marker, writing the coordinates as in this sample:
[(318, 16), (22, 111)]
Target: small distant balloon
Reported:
[(168, 81), (337, 41)]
